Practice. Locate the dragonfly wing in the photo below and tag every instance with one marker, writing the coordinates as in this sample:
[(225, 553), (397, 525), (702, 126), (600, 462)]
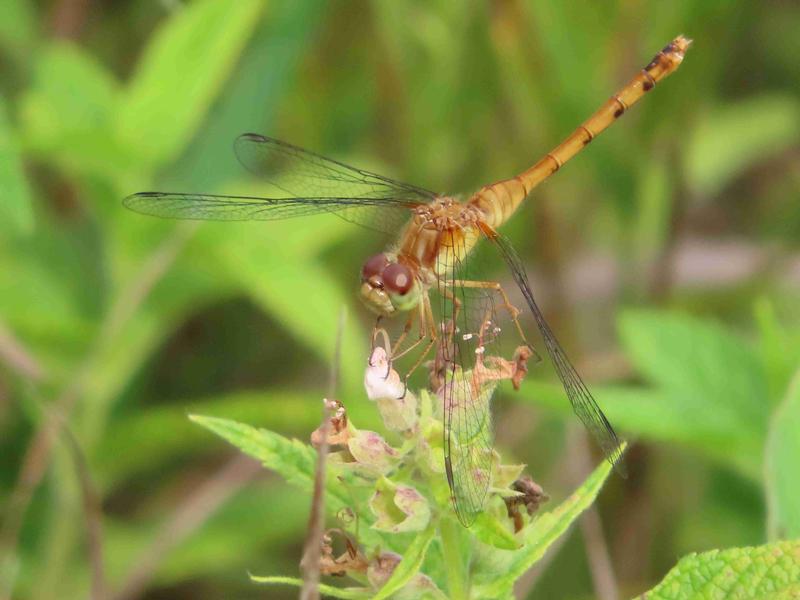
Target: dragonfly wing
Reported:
[(308, 183), (293, 171), (212, 207), (468, 439), (465, 393), (303, 173), (580, 398)]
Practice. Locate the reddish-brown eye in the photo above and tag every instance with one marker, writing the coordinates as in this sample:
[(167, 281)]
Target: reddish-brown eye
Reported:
[(397, 278), (374, 266)]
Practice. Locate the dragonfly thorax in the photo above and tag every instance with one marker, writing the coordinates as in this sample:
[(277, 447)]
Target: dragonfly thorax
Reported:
[(446, 213), (388, 285)]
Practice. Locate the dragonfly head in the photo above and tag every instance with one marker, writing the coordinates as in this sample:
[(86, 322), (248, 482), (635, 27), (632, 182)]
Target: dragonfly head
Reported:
[(388, 286)]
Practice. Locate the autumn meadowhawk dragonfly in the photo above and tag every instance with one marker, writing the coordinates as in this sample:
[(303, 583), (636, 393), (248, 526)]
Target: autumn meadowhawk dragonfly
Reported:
[(437, 234)]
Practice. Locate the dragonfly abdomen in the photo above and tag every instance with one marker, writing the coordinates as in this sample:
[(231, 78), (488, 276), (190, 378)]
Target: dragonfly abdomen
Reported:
[(498, 201)]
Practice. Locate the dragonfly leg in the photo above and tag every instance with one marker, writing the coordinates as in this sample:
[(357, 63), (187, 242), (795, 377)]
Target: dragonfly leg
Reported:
[(427, 330), (395, 354), (513, 311), (376, 331)]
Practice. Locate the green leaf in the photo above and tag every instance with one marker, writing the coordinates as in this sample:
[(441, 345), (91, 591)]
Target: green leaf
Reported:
[(295, 461), (779, 345), (731, 139), (292, 459), (18, 22), (770, 571), (68, 111), (663, 416), (499, 569), (266, 70), (15, 204), (783, 453), (686, 354), (398, 508), (328, 590), (490, 530), (409, 566), (706, 377), (181, 73)]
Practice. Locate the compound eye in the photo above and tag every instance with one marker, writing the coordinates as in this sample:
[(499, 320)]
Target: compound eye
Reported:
[(374, 266), (397, 278)]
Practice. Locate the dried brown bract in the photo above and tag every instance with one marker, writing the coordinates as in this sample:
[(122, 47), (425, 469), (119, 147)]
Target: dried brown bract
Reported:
[(532, 497), (338, 432), (349, 561)]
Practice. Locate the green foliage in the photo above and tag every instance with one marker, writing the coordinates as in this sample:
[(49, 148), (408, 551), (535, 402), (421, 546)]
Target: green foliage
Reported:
[(69, 109), (771, 571), (709, 390), (17, 26), (720, 396), (328, 590), (711, 383), (410, 564), (500, 569), (783, 450), (497, 548), (134, 323), (180, 74), (737, 137), (291, 459), (16, 213)]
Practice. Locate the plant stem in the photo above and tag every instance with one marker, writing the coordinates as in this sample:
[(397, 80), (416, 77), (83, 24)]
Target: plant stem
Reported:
[(454, 562)]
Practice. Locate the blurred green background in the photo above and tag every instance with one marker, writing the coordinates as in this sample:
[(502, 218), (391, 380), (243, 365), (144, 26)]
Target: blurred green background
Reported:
[(667, 256)]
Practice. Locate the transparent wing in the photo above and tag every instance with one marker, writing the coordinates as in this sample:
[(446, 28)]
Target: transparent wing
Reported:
[(579, 396), (300, 173), (308, 183), (468, 321), (252, 208)]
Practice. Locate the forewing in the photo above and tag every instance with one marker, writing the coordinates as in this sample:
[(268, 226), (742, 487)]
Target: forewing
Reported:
[(300, 173), (307, 183), (579, 396), (252, 208)]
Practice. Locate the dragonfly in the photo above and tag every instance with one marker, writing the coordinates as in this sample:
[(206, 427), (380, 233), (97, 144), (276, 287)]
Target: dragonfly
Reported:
[(425, 274)]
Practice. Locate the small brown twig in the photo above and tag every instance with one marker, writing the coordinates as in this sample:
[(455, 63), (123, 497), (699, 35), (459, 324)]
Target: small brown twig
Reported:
[(93, 513), (312, 552), (17, 357)]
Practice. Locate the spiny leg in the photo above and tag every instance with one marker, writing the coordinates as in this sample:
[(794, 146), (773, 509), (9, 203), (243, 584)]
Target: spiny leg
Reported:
[(513, 311), (396, 354), (427, 328), (494, 286), (392, 347), (407, 329)]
